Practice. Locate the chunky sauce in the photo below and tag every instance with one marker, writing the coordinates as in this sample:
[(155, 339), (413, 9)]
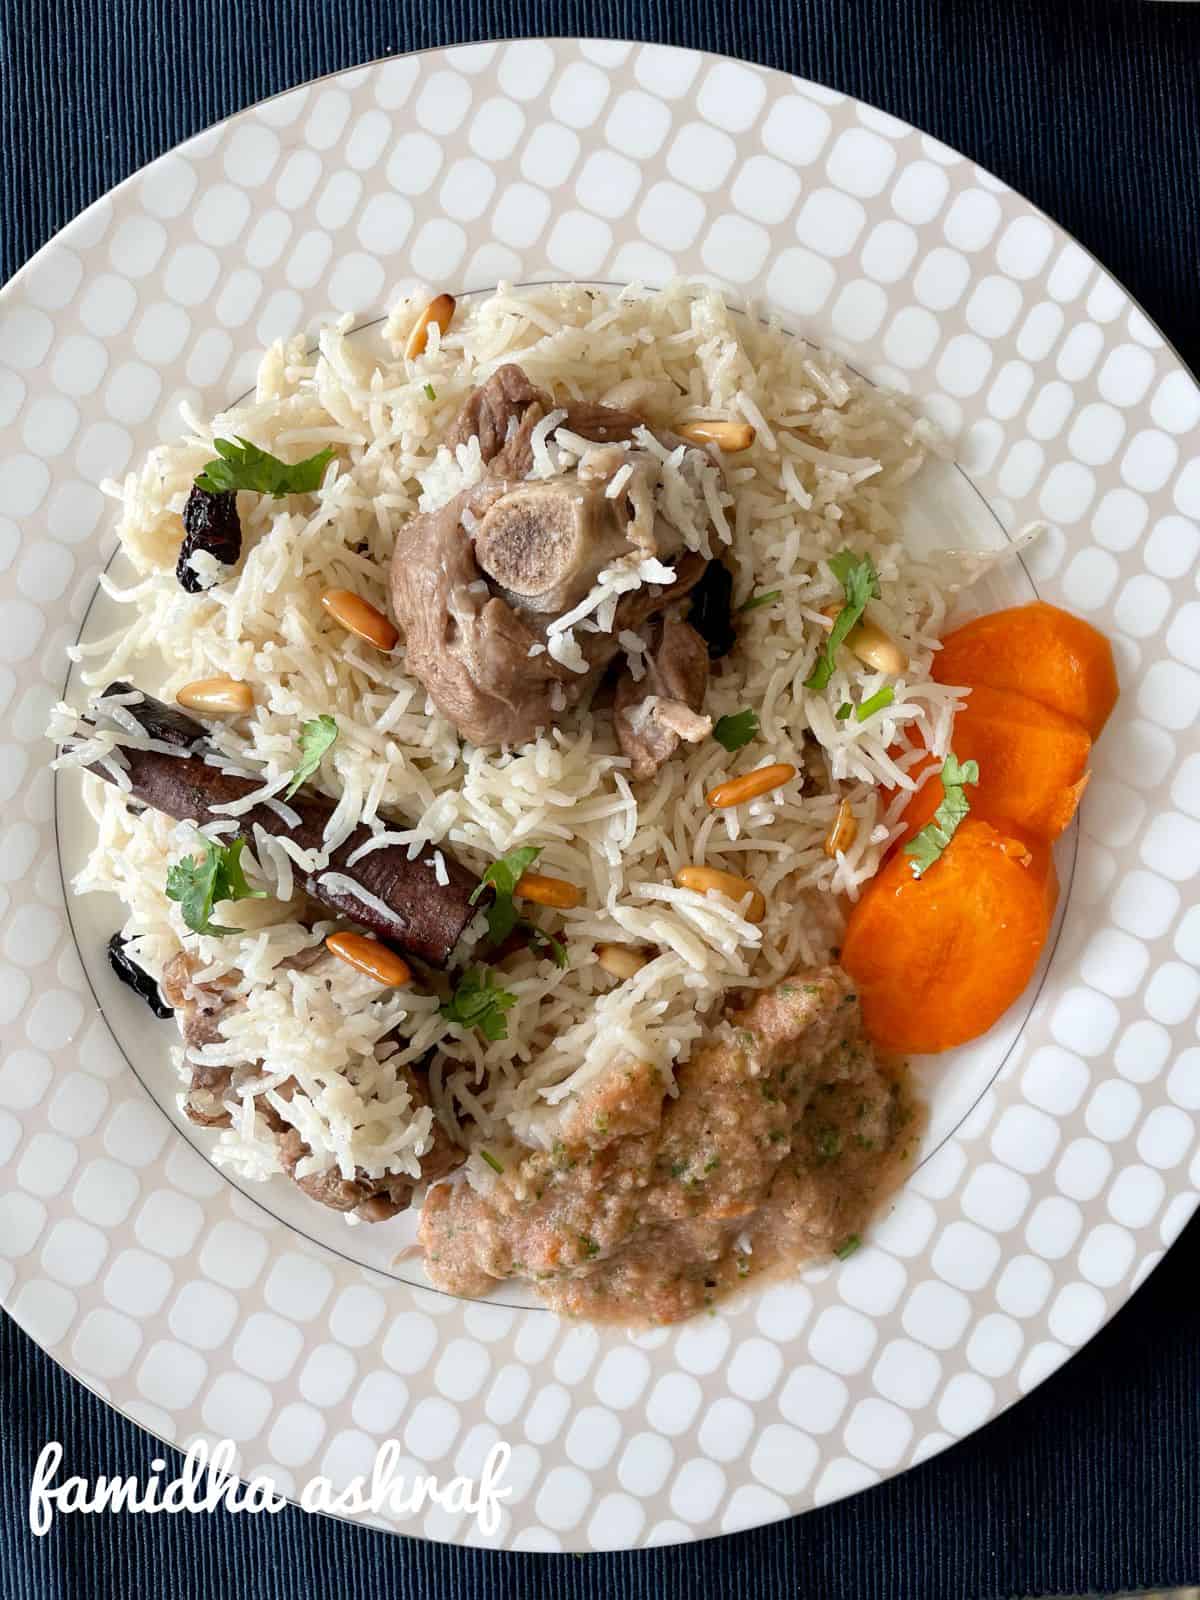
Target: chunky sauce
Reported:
[(786, 1137)]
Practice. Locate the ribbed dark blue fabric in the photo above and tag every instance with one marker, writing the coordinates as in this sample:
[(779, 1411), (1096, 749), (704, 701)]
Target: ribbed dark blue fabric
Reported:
[(1092, 109)]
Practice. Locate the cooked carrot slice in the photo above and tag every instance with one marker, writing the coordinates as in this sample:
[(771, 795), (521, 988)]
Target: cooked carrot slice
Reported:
[(1032, 764), (1037, 650), (938, 959)]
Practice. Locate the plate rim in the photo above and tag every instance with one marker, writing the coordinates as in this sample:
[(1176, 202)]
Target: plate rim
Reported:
[(361, 73)]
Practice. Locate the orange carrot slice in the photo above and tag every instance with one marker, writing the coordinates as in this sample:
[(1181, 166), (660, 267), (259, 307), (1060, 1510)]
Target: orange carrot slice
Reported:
[(938, 959), (1032, 764), (1036, 650)]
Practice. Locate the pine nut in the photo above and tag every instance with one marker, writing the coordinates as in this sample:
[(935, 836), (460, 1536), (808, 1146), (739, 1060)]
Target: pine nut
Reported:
[(735, 791), (440, 310), (543, 891), (622, 960), (359, 617), (218, 696), (729, 437), (843, 832), (707, 880), (370, 957), (873, 645)]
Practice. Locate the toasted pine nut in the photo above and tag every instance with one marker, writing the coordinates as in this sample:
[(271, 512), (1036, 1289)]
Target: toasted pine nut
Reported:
[(360, 617), (729, 437), (543, 891), (735, 791), (440, 310), (371, 957), (842, 833), (706, 880), (622, 960), (873, 645), (219, 696)]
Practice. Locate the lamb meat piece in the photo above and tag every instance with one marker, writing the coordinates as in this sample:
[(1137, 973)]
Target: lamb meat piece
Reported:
[(508, 402), (394, 1194), (472, 651), (477, 583), (653, 716), (545, 544), (484, 662), (602, 425), (327, 1188), (486, 414), (372, 1199), (198, 1009), (605, 424)]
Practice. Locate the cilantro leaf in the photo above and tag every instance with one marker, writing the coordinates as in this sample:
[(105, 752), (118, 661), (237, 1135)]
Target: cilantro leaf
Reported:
[(316, 737), (878, 702), (735, 731), (860, 583), (502, 878), (478, 1003), (242, 465), (757, 600), (198, 885), (927, 846), (507, 871), (541, 940)]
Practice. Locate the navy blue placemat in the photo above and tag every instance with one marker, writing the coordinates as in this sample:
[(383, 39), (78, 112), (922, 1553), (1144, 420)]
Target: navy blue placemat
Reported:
[(1092, 110)]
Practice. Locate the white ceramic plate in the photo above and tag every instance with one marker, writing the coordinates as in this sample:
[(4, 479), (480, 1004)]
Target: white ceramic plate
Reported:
[(1057, 1164)]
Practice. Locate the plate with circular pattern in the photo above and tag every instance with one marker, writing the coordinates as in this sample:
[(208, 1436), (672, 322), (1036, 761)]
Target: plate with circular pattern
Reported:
[(1061, 1159)]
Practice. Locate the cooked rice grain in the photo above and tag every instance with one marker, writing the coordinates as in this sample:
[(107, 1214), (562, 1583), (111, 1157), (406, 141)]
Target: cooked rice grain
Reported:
[(829, 469)]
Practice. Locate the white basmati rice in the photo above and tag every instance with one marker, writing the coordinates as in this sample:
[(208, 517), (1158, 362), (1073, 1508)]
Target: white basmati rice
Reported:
[(829, 469)]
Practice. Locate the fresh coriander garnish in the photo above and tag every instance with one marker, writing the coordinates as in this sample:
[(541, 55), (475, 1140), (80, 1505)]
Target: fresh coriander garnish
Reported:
[(198, 885), (502, 878), (860, 583), (927, 846), (736, 730), (486, 1155), (878, 701), (843, 711), (848, 1246), (478, 1003), (757, 600), (243, 465), (588, 1248), (829, 1144), (541, 940), (315, 738), (430, 392)]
